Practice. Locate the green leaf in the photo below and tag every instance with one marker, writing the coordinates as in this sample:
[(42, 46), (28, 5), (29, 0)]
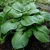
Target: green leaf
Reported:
[(41, 33), (29, 32), (24, 1), (5, 13), (40, 18), (29, 20), (6, 9), (33, 11), (1, 17), (7, 26), (17, 9), (9, 11), (31, 8), (46, 15), (41, 36), (43, 29), (20, 29), (14, 14), (19, 40), (18, 6)]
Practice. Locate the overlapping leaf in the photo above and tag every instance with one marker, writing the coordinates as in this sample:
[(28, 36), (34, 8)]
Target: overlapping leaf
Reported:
[(7, 26), (17, 9), (41, 33), (46, 15), (20, 16), (43, 29), (29, 20), (19, 40)]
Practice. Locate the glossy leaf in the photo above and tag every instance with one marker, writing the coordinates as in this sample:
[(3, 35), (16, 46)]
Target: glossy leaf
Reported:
[(29, 20), (18, 6), (9, 11), (41, 34), (46, 15), (19, 40), (43, 29), (34, 11), (31, 8), (13, 13), (7, 26)]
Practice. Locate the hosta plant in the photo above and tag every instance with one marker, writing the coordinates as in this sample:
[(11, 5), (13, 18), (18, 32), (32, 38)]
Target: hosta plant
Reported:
[(26, 20)]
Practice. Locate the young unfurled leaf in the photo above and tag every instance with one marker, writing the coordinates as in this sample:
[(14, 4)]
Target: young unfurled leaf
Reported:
[(19, 40)]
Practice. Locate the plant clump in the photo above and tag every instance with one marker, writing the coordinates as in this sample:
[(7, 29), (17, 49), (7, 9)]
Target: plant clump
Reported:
[(26, 20)]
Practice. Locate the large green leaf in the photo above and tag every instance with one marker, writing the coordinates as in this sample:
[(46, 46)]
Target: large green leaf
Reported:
[(9, 11), (41, 34), (19, 40), (7, 26), (29, 20), (46, 15), (15, 14), (18, 6), (43, 29)]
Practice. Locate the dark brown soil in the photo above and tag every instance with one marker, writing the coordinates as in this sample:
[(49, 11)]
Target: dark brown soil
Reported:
[(7, 45), (33, 44)]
